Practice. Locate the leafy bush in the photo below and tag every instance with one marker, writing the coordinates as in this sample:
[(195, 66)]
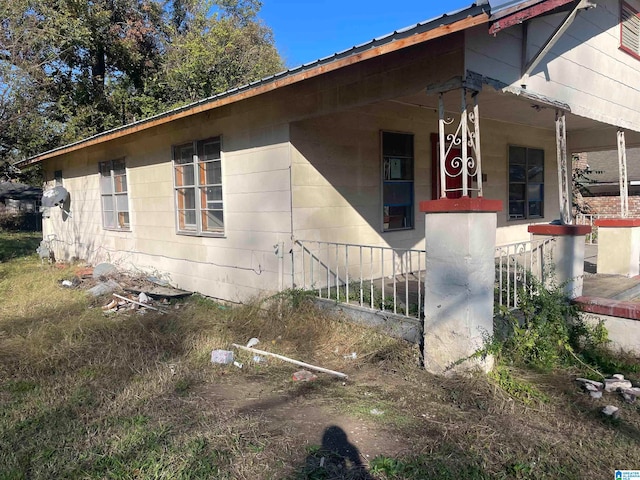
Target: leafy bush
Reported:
[(546, 331)]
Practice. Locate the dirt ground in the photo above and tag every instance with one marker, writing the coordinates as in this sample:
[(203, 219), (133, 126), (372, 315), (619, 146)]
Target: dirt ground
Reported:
[(306, 419)]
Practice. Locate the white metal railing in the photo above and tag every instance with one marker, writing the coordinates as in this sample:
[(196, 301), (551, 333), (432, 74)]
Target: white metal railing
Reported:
[(516, 265), (379, 278), (590, 219)]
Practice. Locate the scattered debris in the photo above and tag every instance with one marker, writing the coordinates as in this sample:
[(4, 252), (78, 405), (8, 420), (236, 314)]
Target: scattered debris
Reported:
[(104, 288), (252, 342), (84, 272), (290, 360), (590, 387), (158, 281), (303, 376), (600, 385), (155, 291), (611, 411), (104, 270), (259, 359), (613, 384), (351, 356), (140, 304), (628, 397), (375, 411), (617, 383), (142, 298), (222, 356), (67, 283), (113, 304), (238, 364)]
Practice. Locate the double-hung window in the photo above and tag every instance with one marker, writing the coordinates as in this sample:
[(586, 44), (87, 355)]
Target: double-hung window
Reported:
[(114, 196), (397, 181), (198, 187), (526, 183), (630, 30)]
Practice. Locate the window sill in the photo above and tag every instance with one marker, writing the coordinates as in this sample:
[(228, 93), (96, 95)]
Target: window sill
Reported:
[(525, 219), (201, 234), (398, 229), (124, 230)]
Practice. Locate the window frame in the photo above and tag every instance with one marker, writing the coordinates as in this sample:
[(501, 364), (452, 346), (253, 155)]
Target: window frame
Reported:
[(384, 156), (113, 193), (633, 12), (207, 196), (526, 183)]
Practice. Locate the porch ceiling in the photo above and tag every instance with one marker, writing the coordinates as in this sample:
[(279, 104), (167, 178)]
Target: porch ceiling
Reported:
[(583, 134)]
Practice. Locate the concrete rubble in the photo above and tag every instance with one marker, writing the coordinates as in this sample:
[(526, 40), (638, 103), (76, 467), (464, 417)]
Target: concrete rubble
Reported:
[(304, 376), (616, 384), (138, 293)]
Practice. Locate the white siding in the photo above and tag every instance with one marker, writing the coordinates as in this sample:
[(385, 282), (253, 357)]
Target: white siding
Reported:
[(585, 69)]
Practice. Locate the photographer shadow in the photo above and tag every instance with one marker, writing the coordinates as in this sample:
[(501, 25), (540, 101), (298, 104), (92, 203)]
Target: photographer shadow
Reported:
[(336, 458)]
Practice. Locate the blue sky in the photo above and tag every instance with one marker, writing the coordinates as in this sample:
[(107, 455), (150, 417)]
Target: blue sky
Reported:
[(306, 30)]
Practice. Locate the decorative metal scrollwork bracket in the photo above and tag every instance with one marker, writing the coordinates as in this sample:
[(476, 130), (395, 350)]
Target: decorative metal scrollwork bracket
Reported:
[(459, 144)]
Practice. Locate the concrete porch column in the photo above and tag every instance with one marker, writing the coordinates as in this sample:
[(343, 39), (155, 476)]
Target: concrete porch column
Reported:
[(460, 238), (567, 254), (618, 246)]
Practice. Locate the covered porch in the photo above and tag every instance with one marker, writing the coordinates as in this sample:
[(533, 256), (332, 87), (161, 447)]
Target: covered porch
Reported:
[(468, 114)]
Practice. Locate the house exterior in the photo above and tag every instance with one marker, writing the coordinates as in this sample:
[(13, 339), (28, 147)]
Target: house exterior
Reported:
[(214, 195), (19, 205), (602, 195)]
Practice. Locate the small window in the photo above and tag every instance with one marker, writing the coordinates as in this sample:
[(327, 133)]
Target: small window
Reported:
[(526, 183), (198, 187), (57, 178), (630, 30), (397, 181), (113, 191)]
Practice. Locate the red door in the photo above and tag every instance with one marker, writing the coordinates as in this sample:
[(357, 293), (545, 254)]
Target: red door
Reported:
[(452, 183)]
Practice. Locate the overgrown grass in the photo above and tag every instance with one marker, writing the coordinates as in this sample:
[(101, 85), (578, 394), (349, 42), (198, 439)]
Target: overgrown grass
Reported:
[(18, 244), (85, 395)]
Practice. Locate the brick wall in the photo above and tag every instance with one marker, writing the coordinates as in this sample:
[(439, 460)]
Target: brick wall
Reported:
[(610, 205)]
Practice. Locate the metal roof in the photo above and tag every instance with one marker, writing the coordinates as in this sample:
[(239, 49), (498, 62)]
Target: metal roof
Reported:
[(477, 8)]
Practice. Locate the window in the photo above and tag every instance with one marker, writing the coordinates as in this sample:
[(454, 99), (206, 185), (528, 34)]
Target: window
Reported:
[(526, 183), (397, 180), (113, 190), (57, 178), (630, 30), (198, 187)]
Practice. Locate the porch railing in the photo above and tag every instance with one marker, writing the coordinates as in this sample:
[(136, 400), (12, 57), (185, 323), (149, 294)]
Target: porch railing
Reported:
[(379, 278), (516, 265), (590, 219)]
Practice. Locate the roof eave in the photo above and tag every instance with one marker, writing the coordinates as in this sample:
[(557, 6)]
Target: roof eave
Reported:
[(524, 11), (440, 27)]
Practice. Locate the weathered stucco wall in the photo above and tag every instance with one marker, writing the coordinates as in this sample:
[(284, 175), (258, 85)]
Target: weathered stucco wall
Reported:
[(588, 50)]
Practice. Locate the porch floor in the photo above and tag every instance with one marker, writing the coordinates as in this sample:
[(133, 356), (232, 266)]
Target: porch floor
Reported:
[(615, 287)]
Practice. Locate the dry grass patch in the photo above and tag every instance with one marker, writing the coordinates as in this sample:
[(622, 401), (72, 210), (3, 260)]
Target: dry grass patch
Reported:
[(85, 395)]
